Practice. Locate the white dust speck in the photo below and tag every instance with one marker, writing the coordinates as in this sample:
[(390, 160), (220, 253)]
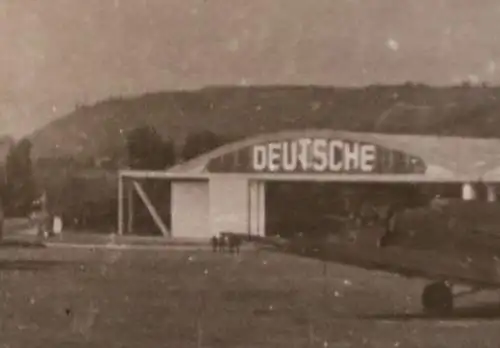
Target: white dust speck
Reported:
[(54, 109), (492, 67), (205, 272), (336, 294), (32, 300), (264, 262), (347, 282), (392, 44), (190, 259), (233, 45), (315, 105), (325, 344), (397, 344), (271, 307)]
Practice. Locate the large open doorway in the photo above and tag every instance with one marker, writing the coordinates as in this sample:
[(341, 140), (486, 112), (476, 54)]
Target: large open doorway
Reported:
[(144, 207), (318, 208)]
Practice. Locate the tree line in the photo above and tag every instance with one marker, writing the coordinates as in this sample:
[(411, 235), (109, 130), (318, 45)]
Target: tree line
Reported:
[(18, 189), (146, 149)]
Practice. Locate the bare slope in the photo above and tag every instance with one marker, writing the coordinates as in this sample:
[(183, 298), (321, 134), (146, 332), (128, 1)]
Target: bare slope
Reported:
[(95, 131)]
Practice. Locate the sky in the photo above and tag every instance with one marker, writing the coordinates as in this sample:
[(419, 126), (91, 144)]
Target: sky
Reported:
[(56, 54)]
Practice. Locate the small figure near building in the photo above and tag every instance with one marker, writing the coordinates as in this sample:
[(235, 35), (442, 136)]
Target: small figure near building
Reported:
[(41, 217)]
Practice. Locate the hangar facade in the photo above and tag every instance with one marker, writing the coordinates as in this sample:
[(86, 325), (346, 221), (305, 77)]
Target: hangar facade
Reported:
[(225, 189)]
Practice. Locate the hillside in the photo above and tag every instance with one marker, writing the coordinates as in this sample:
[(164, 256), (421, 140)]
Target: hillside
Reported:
[(100, 129)]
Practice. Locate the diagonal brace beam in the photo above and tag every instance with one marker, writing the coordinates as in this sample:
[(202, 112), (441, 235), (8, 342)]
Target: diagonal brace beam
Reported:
[(152, 210)]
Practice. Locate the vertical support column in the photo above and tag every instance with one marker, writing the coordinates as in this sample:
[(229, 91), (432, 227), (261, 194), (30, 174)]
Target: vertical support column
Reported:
[(491, 193), (468, 192), (130, 212), (253, 213), (261, 189), (255, 208), (120, 204), (249, 208)]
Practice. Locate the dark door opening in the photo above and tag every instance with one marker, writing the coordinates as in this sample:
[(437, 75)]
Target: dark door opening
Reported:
[(319, 208)]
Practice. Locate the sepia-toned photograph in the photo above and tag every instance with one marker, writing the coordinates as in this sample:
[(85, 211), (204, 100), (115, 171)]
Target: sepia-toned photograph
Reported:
[(249, 173)]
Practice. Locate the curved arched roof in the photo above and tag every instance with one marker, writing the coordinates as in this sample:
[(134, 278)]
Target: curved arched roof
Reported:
[(465, 157)]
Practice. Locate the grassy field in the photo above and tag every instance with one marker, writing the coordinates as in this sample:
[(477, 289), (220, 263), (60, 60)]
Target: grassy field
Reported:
[(110, 298)]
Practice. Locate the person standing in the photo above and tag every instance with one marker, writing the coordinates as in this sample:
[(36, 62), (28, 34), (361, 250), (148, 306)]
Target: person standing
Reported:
[(39, 217)]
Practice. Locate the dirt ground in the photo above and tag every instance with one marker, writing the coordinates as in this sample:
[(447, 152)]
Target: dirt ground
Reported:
[(111, 298)]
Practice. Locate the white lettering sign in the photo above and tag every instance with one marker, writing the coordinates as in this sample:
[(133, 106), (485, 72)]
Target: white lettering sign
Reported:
[(351, 156), (318, 155), (290, 157), (274, 157), (335, 147), (368, 158), (259, 158), (304, 156)]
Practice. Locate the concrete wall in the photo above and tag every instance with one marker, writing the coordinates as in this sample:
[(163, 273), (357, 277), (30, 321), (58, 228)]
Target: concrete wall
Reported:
[(224, 203), (190, 209), (228, 204)]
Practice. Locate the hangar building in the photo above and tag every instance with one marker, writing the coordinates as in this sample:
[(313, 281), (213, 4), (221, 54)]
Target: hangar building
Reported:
[(226, 189)]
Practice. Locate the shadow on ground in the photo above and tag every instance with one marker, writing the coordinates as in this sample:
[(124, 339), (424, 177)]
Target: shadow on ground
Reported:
[(29, 265), (490, 311)]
